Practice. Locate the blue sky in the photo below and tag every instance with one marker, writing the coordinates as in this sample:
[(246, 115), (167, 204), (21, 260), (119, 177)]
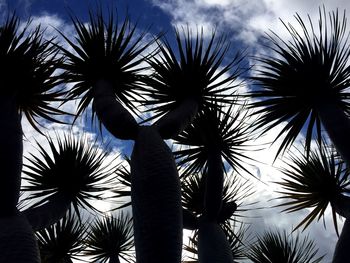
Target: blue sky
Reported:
[(244, 22)]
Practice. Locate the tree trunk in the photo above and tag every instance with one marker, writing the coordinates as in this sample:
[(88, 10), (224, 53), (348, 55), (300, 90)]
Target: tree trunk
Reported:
[(337, 125), (213, 186), (156, 200), (341, 205), (47, 214), (341, 253), (114, 259), (17, 241), (190, 221), (11, 154), (212, 244), (116, 119), (170, 125)]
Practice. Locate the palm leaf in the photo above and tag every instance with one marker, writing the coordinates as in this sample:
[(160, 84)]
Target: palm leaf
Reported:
[(75, 168), (196, 73), (307, 71), (123, 188), (314, 182), (61, 241), (105, 50), (277, 247), (110, 237), (227, 131), (28, 64)]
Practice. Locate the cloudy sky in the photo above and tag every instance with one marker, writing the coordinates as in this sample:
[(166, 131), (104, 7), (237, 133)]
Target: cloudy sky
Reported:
[(244, 22)]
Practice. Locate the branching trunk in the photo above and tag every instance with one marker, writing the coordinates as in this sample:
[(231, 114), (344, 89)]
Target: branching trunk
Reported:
[(170, 125), (337, 125), (47, 214), (11, 153), (156, 200), (116, 119), (212, 244), (17, 241)]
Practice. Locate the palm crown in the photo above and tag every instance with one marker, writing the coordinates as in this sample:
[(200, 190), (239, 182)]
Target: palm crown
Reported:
[(308, 71), (277, 247), (314, 182), (111, 237), (75, 170), (227, 130), (28, 55), (196, 75), (105, 50)]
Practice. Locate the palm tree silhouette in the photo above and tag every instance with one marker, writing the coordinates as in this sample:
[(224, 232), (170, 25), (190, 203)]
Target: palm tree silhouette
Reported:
[(317, 181), (73, 160), (104, 70), (110, 238), (307, 84), (214, 134), (193, 196), (26, 54), (278, 247), (62, 241)]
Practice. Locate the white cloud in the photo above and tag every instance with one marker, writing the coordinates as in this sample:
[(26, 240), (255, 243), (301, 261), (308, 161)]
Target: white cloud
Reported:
[(247, 20)]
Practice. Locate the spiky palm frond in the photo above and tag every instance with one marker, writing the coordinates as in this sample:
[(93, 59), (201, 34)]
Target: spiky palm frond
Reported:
[(111, 237), (28, 64), (308, 71), (196, 73), (228, 132), (105, 50), (277, 247), (62, 240), (123, 188), (234, 192), (314, 182), (75, 168)]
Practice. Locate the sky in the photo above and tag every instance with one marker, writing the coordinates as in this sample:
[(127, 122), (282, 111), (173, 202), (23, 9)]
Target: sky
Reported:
[(245, 23)]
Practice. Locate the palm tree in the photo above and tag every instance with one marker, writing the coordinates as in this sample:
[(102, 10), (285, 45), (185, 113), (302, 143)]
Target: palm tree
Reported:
[(306, 85), (317, 181), (62, 241), (110, 238), (28, 63), (277, 247), (105, 70), (212, 135), (193, 196), (72, 175)]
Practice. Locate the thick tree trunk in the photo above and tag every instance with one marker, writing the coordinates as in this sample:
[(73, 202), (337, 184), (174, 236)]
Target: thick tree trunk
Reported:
[(11, 153), (156, 200), (212, 244), (341, 205), (341, 253), (337, 125), (170, 125), (17, 241), (116, 119), (47, 214)]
